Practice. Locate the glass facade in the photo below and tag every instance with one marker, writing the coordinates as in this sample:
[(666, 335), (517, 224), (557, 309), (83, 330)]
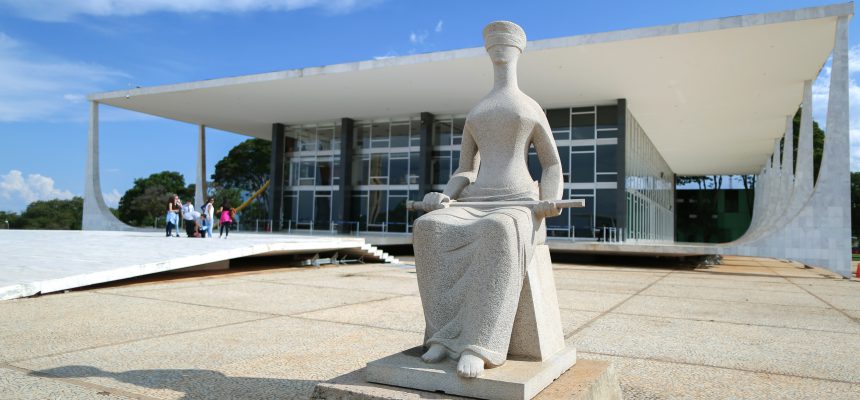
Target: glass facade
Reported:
[(650, 188), (384, 174), (311, 176), (385, 166)]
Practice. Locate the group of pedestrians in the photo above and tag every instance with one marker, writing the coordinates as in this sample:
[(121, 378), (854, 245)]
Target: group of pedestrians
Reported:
[(198, 223)]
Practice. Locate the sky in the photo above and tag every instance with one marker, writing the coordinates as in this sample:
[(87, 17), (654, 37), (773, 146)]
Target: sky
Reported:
[(53, 53)]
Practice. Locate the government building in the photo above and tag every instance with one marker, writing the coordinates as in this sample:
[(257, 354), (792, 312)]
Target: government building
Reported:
[(629, 110)]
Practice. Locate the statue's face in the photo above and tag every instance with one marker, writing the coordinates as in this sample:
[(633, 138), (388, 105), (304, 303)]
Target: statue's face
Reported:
[(502, 54)]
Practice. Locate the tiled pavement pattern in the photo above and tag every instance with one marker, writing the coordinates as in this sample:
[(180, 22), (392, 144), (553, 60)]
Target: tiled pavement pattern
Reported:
[(751, 328)]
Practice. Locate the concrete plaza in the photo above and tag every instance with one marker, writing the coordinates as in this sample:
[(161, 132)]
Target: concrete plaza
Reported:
[(751, 328)]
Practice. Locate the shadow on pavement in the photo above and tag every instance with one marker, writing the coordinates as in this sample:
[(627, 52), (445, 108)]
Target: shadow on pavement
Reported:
[(193, 383)]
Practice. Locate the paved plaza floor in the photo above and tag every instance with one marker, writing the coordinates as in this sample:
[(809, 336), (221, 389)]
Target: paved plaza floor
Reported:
[(751, 328)]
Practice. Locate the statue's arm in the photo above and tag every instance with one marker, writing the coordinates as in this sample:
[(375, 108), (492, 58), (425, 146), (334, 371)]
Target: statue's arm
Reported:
[(551, 182), (467, 171)]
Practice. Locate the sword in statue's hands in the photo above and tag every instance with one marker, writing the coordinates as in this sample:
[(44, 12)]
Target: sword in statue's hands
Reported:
[(535, 205)]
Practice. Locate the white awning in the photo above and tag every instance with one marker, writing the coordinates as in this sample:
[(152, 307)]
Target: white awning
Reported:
[(712, 95)]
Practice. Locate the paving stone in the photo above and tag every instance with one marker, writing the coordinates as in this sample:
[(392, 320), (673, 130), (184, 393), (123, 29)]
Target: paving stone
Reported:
[(281, 357), (65, 322), (647, 379), (265, 297), (589, 301), (790, 298), (403, 313), (841, 302), (815, 318), (845, 288), (823, 355), (22, 386)]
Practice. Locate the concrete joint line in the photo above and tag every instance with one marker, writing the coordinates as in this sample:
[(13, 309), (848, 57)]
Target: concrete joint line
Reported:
[(611, 309), (852, 318), (734, 323), (195, 304)]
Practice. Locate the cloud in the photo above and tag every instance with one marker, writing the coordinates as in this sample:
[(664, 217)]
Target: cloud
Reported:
[(821, 91), (438, 26), (112, 198), (42, 87), (418, 38), (23, 190), (67, 10)]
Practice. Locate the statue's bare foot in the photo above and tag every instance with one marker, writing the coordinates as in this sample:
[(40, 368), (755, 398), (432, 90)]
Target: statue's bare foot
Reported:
[(470, 365), (436, 353)]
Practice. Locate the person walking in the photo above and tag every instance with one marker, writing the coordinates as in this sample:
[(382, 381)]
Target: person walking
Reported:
[(188, 216), (226, 214), (172, 218), (209, 215)]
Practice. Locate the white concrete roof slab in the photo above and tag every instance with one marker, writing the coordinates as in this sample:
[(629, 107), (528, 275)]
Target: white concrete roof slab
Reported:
[(712, 95)]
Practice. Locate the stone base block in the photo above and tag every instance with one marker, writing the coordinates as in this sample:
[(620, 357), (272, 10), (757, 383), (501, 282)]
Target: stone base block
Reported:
[(586, 380)]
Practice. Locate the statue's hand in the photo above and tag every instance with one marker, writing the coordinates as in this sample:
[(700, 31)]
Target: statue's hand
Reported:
[(435, 201), (546, 209)]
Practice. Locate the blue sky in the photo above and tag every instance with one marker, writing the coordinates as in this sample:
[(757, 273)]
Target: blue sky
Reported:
[(55, 52)]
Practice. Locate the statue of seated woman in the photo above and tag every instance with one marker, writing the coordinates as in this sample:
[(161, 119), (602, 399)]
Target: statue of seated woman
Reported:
[(471, 261)]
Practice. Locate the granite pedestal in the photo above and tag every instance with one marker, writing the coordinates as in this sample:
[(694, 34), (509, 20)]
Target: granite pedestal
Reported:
[(587, 380)]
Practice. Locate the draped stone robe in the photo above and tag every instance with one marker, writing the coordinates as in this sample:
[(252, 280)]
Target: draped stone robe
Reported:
[(471, 261)]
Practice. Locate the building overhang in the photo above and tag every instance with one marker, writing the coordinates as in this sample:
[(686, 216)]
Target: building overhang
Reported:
[(712, 95)]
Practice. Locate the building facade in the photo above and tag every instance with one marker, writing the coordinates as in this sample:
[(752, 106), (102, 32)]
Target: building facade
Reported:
[(358, 175), (629, 109)]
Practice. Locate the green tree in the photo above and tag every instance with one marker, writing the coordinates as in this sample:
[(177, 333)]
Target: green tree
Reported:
[(9, 220), (817, 143), (53, 214), (147, 199), (246, 167)]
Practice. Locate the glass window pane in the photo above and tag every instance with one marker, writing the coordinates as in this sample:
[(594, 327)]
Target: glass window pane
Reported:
[(307, 139), (322, 211), (607, 116), (582, 167), (442, 133), (441, 167), (359, 211), (324, 172), (397, 213), (414, 167), (325, 136), (399, 171), (582, 218), (378, 205), (606, 158), (378, 169), (400, 135), (583, 126), (534, 166), (606, 207), (379, 135), (362, 139), (306, 206)]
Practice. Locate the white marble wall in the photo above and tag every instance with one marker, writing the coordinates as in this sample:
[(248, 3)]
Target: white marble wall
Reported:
[(791, 218)]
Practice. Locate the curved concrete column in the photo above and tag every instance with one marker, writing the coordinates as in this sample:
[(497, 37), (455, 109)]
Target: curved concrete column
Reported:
[(820, 233), (803, 172), (97, 216)]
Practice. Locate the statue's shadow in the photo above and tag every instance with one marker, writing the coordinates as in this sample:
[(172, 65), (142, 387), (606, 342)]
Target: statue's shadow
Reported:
[(192, 383)]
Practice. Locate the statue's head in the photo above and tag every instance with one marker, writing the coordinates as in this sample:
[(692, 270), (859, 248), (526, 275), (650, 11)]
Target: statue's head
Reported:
[(504, 41)]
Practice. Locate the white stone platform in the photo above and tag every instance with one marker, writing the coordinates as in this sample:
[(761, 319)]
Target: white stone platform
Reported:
[(515, 380), (33, 262)]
